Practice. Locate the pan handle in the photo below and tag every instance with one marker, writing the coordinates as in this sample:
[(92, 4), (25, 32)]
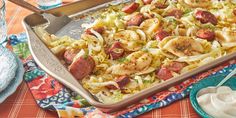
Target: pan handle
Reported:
[(26, 5)]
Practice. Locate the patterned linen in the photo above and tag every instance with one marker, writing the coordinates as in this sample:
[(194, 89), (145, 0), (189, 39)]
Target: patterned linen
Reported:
[(52, 95)]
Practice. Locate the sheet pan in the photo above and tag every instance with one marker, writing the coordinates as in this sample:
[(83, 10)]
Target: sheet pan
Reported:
[(84, 7)]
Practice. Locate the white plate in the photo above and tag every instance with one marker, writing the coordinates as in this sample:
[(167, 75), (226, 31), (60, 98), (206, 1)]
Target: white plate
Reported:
[(11, 88)]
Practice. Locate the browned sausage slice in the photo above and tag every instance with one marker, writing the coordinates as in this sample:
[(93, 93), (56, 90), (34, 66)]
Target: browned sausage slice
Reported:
[(100, 30), (206, 17), (121, 81), (234, 11), (136, 20), (130, 8), (82, 67), (206, 34), (147, 1), (175, 66), (164, 73), (161, 5), (161, 34), (116, 51), (177, 13), (69, 55)]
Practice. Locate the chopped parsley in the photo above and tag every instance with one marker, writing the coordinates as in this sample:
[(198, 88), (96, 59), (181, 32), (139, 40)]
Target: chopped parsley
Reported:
[(85, 56), (124, 59)]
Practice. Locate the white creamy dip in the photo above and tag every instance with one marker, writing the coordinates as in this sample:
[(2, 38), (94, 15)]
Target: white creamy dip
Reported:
[(219, 104)]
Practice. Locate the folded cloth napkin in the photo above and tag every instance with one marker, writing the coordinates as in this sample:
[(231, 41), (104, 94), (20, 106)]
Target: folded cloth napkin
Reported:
[(52, 95), (8, 67)]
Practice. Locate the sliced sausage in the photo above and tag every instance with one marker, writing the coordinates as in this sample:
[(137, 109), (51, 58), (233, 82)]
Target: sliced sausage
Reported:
[(177, 13), (121, 81), (116, 51), (100, 30), (206, 34), (147, 1), (136, 20), (234, 11), (130, 8), (82, 67), (206, 17), (161, 34), (106, 50), (164, 73), (69, 55), (175, 66), (160, 5)]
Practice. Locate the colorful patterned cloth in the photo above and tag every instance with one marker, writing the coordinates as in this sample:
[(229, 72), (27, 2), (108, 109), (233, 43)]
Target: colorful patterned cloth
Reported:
[(52, 95)]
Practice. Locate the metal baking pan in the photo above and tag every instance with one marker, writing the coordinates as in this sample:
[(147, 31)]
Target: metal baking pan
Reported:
[(52, 65)]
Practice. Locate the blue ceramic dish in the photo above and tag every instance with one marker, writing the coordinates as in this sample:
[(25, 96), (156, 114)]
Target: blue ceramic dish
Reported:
[(210, 81), (14, 83)]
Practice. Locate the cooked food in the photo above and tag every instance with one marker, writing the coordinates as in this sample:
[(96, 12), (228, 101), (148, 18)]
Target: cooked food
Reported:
[(130, 47), (82, 66), (130, 8), (205, 17), (206, 34), (181, 46)]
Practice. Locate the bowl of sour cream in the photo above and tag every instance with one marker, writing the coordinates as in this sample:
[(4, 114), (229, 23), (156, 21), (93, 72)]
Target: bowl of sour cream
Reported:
[(218, 103)]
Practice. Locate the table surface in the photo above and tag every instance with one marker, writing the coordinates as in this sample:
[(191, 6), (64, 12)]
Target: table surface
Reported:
[(21, 104)]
